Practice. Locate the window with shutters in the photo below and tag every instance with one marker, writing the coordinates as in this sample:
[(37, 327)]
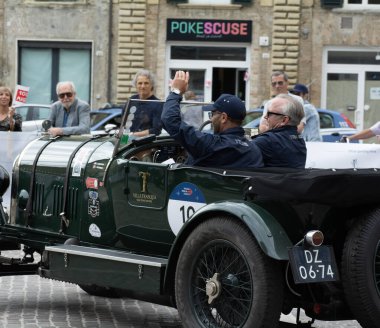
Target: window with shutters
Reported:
[(213, 2), (351, 4)]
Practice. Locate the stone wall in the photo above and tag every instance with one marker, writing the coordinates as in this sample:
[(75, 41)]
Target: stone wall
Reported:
[(131, 42), (285, 35)]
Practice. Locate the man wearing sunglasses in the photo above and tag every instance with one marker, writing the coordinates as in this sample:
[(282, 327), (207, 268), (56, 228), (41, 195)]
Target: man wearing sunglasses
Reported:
[(69, 115), (227, 147), (282, 145), (279, 84)]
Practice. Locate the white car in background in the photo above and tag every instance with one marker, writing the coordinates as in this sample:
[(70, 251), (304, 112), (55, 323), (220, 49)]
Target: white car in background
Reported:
[(32, 116)]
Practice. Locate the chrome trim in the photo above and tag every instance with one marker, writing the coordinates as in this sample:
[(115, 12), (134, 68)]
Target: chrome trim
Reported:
[(106, 254)]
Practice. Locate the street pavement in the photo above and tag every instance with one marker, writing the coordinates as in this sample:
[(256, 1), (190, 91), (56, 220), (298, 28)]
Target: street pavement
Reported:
[(35, 302)]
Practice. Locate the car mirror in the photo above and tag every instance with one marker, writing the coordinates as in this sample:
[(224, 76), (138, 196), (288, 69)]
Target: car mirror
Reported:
[(46, 125), (109, 127)]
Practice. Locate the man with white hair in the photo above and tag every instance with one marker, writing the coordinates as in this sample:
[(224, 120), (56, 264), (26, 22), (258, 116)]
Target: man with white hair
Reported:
[(69, 115), (281, 144)]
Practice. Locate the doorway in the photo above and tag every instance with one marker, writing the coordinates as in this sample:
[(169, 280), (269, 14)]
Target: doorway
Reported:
[(228, 80), (351, 85), (214, 69)]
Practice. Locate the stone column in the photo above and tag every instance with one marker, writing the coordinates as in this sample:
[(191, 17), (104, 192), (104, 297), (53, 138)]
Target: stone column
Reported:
[(286, 37), (131, 43)]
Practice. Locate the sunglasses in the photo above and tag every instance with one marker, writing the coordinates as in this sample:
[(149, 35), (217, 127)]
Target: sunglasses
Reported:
[(280, 83), (67, 94), (211, 114), (273, 113)]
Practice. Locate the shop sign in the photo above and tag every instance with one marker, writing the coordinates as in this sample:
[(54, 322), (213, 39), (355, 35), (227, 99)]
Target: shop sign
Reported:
[(209, 30)]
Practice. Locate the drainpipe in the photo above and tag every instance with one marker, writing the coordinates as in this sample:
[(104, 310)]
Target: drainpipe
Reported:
[(110, 39)]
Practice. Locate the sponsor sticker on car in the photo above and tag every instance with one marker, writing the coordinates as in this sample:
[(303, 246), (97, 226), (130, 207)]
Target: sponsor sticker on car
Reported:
[(185, 199)]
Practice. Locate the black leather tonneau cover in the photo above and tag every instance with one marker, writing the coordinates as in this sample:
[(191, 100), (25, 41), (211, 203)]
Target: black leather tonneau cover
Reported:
[(330, 187)]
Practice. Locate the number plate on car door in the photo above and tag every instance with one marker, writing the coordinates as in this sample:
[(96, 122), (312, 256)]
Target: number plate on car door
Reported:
[(313, 264)]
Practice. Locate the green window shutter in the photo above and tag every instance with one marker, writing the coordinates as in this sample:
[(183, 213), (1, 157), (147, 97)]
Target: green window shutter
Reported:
[(177, 1), (241, 2), (331, 3)]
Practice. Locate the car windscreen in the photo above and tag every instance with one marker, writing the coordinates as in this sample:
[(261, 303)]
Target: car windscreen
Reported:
[(142, 115), (251, 116), (33, 112), (95, 118)]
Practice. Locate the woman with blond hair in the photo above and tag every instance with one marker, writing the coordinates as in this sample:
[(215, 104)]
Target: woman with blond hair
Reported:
[(9, 119)]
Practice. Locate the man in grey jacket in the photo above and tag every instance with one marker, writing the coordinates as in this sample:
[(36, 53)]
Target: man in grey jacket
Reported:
[(69, 115)]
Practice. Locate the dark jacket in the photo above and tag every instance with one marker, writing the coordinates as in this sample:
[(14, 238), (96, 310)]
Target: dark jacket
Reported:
[(229, 149), (282, 147), (147, 116)]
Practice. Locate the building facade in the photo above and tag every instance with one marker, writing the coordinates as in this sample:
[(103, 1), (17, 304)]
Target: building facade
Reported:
[(229, 46)]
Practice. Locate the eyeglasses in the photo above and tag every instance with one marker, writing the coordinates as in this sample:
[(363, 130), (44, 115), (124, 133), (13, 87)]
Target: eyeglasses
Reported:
[(67, 94), (279, 83), (273, 113), (213, 113)]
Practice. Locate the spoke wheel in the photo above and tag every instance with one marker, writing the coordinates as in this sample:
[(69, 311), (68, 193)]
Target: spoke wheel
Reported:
[(233, 287), (224, 280), (361, 270)]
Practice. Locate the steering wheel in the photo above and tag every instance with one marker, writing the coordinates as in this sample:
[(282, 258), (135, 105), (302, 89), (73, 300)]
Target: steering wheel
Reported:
[(205, 123)]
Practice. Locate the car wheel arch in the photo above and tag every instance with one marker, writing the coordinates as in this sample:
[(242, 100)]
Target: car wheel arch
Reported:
[(269, 234)]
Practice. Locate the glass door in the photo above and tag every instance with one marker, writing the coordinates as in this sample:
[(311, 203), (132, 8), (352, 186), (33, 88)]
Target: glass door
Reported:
[(351, 84), (196, 88), (371, 112), (341, 94)]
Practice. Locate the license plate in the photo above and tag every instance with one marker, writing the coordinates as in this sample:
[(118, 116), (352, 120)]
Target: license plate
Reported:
[(313, 264)]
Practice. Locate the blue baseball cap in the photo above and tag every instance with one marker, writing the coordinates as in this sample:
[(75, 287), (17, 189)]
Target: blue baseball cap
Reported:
[(229, 104), (301, 88)]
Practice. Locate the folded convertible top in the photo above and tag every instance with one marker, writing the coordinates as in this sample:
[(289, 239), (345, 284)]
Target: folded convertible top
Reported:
[(330, 187)]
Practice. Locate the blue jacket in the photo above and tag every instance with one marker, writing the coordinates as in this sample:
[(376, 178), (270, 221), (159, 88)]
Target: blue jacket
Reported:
[(147, 116), (228, 149), (311, 131), (282, 147)]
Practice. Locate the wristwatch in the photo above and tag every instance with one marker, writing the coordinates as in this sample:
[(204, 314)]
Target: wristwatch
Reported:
[(176, 91)]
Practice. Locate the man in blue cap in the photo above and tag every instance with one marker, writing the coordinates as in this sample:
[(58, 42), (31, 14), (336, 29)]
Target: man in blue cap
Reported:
[(227, 147)]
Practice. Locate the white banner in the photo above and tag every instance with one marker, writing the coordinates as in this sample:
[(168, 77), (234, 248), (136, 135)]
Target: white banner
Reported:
[(12, 143), (335, 155)]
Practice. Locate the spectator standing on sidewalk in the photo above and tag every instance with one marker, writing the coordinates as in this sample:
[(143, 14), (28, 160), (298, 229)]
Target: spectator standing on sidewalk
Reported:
[(373, 131), (310, 126), (148, 114), (9, 119), (279, 85)]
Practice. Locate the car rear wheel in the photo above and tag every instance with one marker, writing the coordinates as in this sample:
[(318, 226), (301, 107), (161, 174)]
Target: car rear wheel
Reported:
[(223, 279), (361, 270)]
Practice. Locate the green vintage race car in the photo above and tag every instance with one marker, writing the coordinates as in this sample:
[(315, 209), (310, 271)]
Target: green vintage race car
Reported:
[(123, 217)]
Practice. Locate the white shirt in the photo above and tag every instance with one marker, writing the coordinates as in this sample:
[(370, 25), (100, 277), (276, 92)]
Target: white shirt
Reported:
[(375, 128)]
